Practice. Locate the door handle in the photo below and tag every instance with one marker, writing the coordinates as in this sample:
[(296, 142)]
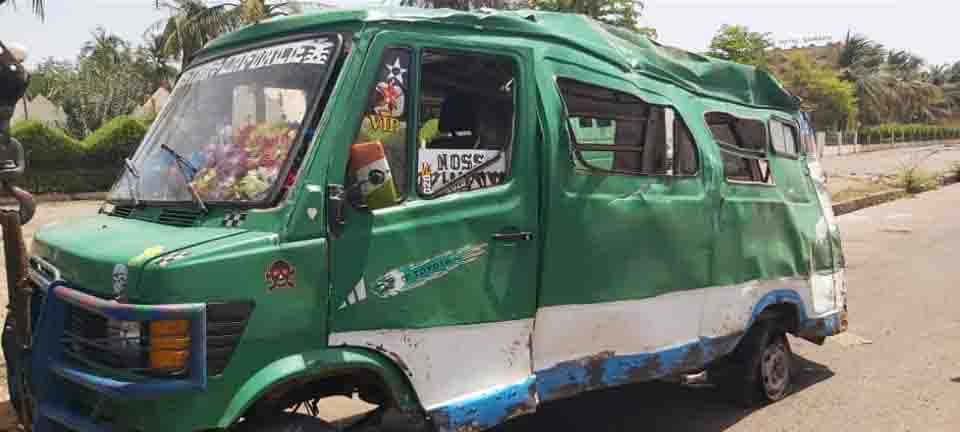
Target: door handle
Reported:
[(513, 236)]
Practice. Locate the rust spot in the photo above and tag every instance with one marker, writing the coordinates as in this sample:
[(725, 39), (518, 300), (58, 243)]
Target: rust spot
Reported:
[(396, 359), (594, 367), (648, 370), (694, 359), (529, 405)]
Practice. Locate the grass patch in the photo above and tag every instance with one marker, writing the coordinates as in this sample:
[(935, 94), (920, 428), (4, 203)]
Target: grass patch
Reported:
[(859, 190), (916, 181)]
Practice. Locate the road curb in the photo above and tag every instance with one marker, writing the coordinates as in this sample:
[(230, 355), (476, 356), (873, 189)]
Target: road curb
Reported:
[(850, 206)]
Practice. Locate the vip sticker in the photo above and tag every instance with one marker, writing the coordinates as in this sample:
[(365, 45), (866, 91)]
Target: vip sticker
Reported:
[(281, 275)]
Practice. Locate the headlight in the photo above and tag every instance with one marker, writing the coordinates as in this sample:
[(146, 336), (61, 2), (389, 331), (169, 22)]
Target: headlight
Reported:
[(169, 345)]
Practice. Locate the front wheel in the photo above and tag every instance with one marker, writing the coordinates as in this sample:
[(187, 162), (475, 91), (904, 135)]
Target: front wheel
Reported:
[(758, 371), (285, 422)]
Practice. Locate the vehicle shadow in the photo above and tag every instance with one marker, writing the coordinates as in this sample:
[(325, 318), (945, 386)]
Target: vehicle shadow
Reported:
[(653, 406)]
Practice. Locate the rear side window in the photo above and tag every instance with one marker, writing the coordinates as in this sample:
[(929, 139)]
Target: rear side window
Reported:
[(784, 138), (743, 147), (617, 132)]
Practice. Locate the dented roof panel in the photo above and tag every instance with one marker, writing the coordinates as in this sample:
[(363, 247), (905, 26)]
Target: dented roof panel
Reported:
[(631, 52)]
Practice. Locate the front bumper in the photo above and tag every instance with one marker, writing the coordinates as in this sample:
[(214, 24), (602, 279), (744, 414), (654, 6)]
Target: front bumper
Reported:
[(51, 373)]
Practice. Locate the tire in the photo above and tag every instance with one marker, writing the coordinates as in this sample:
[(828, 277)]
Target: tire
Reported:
[(286, 422), (758, 371)]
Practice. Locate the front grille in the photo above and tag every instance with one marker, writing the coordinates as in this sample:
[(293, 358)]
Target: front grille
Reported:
[(92, 340), (175, 216), (179, 217), (122, 211), (225, 325)]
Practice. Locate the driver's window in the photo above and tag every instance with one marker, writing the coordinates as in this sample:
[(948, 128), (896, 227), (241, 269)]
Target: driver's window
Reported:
[(466, 121), (378, 156)]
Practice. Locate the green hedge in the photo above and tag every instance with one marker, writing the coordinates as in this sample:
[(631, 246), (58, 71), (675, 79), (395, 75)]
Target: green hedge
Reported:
[(907, 132), (57, 162)]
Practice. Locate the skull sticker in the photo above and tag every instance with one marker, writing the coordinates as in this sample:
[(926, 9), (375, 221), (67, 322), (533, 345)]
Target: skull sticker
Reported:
[(280, 275), (119, 278)]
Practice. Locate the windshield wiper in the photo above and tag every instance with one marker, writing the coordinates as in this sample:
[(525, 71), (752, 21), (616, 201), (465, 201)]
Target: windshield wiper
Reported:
[(133, 172), (181, 163)]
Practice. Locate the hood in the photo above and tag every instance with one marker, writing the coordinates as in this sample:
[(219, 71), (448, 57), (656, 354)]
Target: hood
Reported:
[(104, 254)]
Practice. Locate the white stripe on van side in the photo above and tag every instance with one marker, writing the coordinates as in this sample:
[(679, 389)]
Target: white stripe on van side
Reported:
[(450, 362)]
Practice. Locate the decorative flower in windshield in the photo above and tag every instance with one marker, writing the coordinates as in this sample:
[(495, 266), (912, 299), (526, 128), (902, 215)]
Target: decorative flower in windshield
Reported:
[(245, 166)]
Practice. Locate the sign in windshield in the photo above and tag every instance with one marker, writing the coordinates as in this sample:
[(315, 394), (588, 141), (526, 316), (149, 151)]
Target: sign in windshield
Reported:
[(231, 126)]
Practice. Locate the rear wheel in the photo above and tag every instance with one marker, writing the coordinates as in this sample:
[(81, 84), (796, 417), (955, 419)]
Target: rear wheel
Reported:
[(758, 371)]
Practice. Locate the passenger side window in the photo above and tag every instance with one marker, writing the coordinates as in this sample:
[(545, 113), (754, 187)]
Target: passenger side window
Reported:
[(619, 133), (466, 121), (743, 147), (784, 138), (378, 156)]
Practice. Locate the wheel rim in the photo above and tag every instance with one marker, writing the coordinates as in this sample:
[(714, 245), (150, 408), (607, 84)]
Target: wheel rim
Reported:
[(775, 370)]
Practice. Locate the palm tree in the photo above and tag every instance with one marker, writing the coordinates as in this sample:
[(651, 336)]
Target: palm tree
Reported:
[(254, 11), (859, 52), (891, 86), (155, 62), (105, 48), (193, 23), (38, 6)]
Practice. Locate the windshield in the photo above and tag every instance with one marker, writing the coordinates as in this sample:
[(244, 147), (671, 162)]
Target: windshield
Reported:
[(230, 126)]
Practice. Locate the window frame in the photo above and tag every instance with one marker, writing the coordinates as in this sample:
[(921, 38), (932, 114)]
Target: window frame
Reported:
[(411, 117), (509, 148), (794, 129), (575, 148), (743, 152)]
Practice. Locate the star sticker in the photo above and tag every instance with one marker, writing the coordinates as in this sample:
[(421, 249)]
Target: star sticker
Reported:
[(395, 71)]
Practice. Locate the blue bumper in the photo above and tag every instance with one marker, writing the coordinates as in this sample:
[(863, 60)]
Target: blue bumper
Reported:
[(51, 374)]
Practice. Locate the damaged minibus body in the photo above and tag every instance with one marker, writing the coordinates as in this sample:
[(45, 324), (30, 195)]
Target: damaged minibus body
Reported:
[(457, 216)]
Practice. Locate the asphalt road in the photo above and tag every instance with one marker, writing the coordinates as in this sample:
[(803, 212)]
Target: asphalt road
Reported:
[(898, 369)]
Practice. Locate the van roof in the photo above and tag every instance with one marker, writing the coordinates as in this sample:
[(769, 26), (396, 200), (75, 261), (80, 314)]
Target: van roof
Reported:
[(701, 75)]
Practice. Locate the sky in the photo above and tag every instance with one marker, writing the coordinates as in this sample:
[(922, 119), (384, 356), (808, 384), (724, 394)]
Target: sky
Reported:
[(922, 26)]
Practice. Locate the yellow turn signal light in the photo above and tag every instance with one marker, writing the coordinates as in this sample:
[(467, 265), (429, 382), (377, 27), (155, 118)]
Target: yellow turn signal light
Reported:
[(169, 345)]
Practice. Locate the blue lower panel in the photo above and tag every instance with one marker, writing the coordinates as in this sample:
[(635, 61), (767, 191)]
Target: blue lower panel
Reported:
[(64, 417), (486, 409), (824, 327), (606, 369)]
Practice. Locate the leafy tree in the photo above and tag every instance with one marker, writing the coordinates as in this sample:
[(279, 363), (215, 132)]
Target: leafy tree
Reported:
[(832, 100), (621, 13), (737, 43), (108, 79)]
